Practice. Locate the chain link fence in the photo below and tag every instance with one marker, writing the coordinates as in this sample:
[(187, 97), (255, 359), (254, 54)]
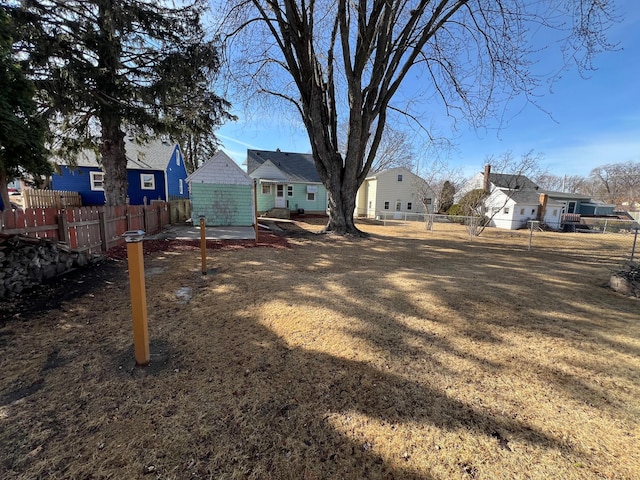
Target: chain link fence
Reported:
[(605, 239)]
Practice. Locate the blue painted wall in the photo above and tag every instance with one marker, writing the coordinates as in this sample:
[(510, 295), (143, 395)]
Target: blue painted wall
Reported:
[(78, 180), (135, 191), (177, 173)]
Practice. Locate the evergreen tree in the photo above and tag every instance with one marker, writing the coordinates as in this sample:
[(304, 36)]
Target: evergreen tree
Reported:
[(22, 129), (116, 67)]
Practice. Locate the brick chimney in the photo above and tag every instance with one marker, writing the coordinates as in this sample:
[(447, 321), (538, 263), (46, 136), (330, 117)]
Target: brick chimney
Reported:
[(542, 207), (486, 184)]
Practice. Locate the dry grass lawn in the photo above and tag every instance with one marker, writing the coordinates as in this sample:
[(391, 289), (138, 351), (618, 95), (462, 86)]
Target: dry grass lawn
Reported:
[(407, 355)]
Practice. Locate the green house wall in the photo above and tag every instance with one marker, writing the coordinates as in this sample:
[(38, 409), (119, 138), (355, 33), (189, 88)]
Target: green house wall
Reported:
[(298, 200), (222, 205)]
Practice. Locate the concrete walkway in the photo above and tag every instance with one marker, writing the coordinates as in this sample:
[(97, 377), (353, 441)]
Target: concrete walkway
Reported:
[(192, 232)]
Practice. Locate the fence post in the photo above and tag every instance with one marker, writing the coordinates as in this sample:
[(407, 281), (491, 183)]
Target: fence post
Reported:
[(63, 226), (103, 230), (135, 260), (635, 239), (531, 234)]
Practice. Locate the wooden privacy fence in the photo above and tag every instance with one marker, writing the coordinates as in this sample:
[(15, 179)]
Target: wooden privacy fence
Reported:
[(51, 198), (91, 229)]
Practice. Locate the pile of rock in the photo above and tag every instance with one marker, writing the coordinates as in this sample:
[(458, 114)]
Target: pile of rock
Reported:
[(26, 262), (627, 281)]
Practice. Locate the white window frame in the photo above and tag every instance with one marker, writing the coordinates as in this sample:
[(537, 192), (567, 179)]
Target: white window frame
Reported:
[(506, 210), (289, 190), (97, 185), (386, 205), (409, 205), (398, 205), (266, 189), (311, 196), (143, 182), (180, 186), (399, 177), (178, 156)]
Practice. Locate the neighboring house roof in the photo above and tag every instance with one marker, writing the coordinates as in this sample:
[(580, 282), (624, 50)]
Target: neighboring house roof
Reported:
[(512, 182), (295, 167), (566, 196), (220, 169), (393, 170), (154, 155)]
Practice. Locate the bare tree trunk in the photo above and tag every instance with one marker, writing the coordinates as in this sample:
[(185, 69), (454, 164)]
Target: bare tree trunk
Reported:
[(342, 195)]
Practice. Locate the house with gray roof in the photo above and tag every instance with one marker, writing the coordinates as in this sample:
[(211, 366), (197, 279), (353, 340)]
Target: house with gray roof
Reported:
[(513, 200), (286, 181), (155, 171)]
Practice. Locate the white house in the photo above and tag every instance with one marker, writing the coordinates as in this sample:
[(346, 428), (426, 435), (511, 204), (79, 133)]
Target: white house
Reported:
[(393, 192), (513, 200)]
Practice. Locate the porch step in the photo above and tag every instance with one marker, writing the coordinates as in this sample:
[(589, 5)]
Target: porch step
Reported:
[(278, 213)]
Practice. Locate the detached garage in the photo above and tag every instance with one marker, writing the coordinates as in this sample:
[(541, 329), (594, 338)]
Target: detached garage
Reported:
[(222, 192)]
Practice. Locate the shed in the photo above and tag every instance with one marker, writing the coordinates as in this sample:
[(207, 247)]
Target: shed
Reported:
[(222, 192)]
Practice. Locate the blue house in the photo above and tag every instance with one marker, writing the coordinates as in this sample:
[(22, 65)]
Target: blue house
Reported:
[(286, 181), (155, 171)]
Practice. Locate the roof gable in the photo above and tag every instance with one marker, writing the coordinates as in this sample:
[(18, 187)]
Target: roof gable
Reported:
[(295, 167), (220, 169)]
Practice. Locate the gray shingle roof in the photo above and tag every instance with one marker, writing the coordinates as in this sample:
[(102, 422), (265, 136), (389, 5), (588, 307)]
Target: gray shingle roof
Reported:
[(512, 182), (297, 167), (154, 155)]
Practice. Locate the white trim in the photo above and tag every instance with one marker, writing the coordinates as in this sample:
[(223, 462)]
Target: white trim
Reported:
[(143, 182), (92, 181)]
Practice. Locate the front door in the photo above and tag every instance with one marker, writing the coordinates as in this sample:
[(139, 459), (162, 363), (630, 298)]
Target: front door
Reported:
[(280, 200)]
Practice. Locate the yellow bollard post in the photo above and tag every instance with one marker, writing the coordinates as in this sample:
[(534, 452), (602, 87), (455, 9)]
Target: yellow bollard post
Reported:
[(138, 296), (203, 243)]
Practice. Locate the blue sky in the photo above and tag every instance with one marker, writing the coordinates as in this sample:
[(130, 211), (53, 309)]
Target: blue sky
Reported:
[(590, 122)]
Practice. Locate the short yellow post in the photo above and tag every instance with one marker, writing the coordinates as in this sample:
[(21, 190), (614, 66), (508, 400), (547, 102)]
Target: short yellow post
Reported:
[(138, 296), (203, 243)]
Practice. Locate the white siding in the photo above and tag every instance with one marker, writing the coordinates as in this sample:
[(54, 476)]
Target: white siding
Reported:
[(268, 171), (385, 187), (220, 170)]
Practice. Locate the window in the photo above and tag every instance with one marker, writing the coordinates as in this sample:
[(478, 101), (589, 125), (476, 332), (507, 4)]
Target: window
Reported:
[(178, 157), (555, 212), (522, 211), (289, 190), (399, 177), (398, 206), (533, 211), (97, 180), (506, 209), (180, 186), (571, 207), (311, 192), (147, 181), (386, 205), (428, 201), (266, 189), (409, 205)]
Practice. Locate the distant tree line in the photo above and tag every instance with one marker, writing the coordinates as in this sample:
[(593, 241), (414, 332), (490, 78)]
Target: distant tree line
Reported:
[(614, 183)]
